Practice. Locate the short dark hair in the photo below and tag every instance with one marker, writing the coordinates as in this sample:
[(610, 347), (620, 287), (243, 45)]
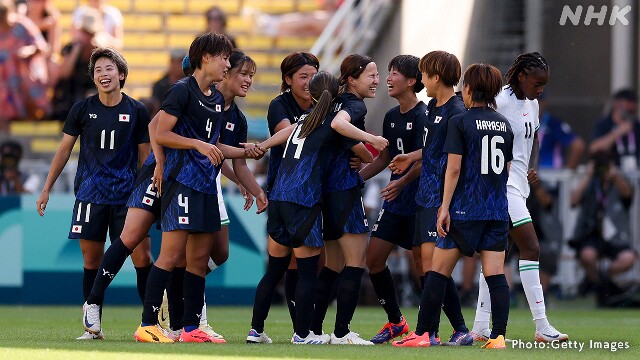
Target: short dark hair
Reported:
[(114, 56), (215, 12), (484, 81), (352, 66), (239, 58), (208, 44), (293, 62), (407, 65), (443, 64), (626, 94)]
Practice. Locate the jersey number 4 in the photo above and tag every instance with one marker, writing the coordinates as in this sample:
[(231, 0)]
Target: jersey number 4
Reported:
[(293, 139), (491, 154)]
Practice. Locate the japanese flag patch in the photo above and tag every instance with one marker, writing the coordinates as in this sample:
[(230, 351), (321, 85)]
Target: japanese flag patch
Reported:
[(76, 229), (147, 201), (409, 126), (218, 107), (230, 126), (183, 220), (123, 117), (437, 120)]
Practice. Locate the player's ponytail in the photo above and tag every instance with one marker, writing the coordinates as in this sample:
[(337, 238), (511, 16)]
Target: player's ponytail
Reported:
[(484, 81), (323, 88)]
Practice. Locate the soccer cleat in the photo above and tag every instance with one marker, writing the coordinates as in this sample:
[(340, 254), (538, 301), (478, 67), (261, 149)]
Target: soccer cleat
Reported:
[(550, 334), (163, 313), (497, 343), (390, 331), (434, 339), (172, 334), (311, 339), (90, 336), (326, 338), (351, 338), (199, 336), (481, 335), (413, 340), (255, 337), (207, 328), (151, 333), (459, 339), (91, 318)]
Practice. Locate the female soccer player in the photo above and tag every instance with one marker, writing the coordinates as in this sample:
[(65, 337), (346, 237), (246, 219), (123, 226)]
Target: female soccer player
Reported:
[(297, 69), (344, 223), (189, 129), (517, 102), (440, 73), (473, 216), (114, 142), (402, 126)]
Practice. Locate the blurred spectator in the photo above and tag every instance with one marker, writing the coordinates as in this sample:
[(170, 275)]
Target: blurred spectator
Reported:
[(11, 180), (217, 23), (112, 32), (173, 74), (46, 17), (619, 131), (559, 145), (74, 83), (23, 67), (603, 226), (294, 24)]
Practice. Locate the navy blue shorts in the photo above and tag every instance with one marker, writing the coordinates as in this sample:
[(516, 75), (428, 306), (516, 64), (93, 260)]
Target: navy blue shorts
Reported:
[(144, 196), (294, 225), (91, 221), (425, 226), (471, 236), (394, 228), (184, 208), (343, 212)]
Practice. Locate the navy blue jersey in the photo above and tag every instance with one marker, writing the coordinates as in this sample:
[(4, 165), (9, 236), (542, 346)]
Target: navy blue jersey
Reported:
[(199, 117), (284, 106), (434, 160), (341, 176), (234, 127), (109, 138), (485, 140), (151, 159), (304, 165), (404, 132)]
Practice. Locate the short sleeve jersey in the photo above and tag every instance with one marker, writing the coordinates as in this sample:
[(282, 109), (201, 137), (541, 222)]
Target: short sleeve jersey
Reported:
[(284, 106), (199, 117), (484, 139), (304, 165), (404, 132), (341, 176), (523, 117), (434, 160), (234, 127), (109, 138)]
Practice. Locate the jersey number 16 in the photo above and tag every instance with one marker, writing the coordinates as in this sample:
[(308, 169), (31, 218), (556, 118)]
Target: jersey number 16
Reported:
[(491, 154)]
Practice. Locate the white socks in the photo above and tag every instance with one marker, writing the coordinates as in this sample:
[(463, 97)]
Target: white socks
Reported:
[(530, 278), (483, 309)]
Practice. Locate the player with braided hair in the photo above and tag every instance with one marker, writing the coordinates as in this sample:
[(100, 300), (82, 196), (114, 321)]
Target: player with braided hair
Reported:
[(517, 102)]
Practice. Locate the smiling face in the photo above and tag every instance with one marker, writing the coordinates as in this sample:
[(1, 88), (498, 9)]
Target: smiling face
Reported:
[(239, 80), (532, 83), (398, 84), (431, 83), (216, 66), (106, 76), (365, 85), (299, 83)]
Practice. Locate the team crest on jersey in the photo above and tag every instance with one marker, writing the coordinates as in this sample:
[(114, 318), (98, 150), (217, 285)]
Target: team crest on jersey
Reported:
[(437, 120), (426, 112), (76, 229), (147, 201), (218, 107), (409, 126), (393, 125), (230, 126), (183, 220), (123, 117)]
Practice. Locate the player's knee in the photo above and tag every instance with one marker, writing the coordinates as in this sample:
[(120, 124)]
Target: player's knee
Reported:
[(530, 250), (626, 259), (588, 256), (375, 265), (220, 257)]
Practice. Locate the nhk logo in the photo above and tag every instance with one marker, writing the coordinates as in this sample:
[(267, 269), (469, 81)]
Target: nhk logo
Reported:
[(616, 14)]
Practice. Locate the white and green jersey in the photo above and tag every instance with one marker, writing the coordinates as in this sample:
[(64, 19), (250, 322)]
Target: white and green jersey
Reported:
[(524, 121)]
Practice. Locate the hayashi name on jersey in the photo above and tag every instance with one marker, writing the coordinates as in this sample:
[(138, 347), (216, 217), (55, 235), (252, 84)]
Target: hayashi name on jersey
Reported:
[(491, 125)]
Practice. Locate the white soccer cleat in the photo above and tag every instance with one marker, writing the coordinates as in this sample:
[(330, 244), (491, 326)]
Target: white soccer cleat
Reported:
[(550, 334), (481, 335), (351, 338), (255, 337), (209, 331), (89, 336), (311, 339), (91, 318), (163, 313), (326, 338)]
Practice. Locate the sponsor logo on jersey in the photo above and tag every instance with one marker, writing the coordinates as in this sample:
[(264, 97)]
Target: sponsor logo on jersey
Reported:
[(230, 126), (218, 107), (409, 126), (123, 117), (76, 229), (393, 125), (183, 219), (93, 116)]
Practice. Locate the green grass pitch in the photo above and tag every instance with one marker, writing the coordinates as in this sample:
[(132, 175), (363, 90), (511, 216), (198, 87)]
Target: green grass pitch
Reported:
[(49, 333)]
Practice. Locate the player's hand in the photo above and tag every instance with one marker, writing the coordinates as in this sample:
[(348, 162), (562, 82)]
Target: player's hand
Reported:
[(355, 163), (253, 151), (400, 163), (392, 190), (248, 198), (41, 203), (443, 222), (261, 202), (156, 179), (210, 151), (532, 176), (379, 143)]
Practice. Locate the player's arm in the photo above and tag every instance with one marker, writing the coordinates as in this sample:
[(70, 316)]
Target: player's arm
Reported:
[(451, 176), (393, 188), (144, 150), (401, 162), (168, 138), (279, 138), (60, 159), (342, 124), (376, 166), (246, 178), (362, 152), (534, 160)]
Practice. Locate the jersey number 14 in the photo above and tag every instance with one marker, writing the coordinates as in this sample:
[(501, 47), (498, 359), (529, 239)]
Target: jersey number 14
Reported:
[(293, 139)]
